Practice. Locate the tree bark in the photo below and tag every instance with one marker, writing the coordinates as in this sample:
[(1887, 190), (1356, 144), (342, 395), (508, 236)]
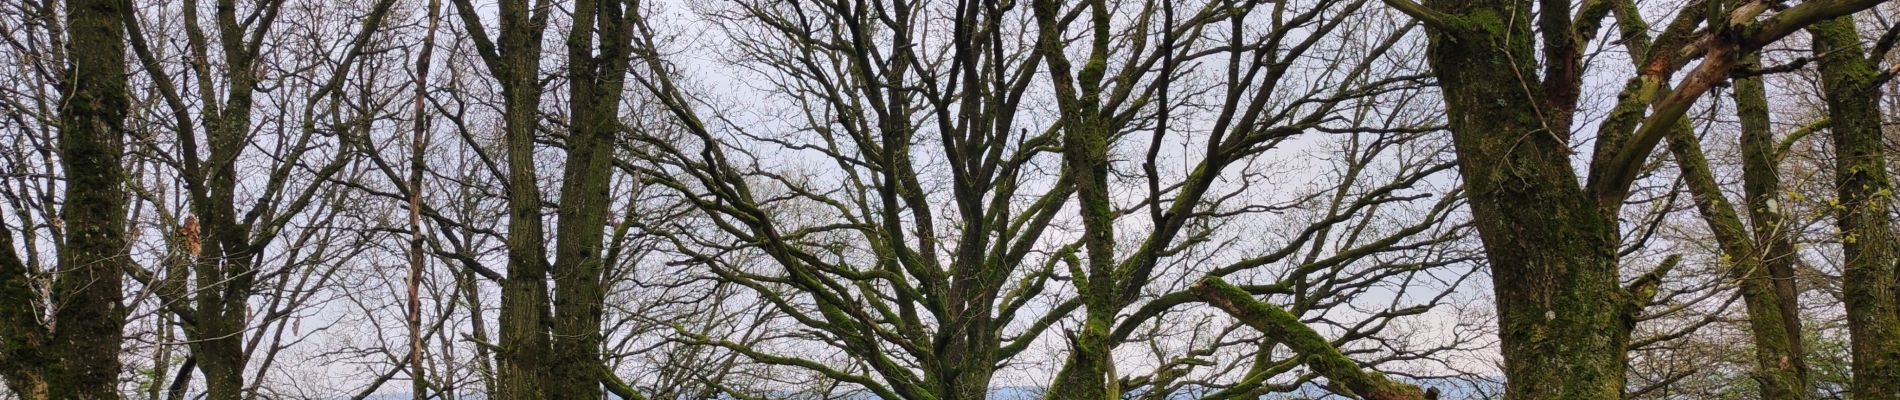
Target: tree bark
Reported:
[(1563, 320), (1774, 243), (514, 57), (1865, 191), (1775, 356), (595, 84), (88, 314)]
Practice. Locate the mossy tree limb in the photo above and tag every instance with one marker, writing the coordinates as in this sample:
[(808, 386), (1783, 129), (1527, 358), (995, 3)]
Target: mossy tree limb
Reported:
[(1775, 362), (1775, 331), (1316, 352), (1774, 243)]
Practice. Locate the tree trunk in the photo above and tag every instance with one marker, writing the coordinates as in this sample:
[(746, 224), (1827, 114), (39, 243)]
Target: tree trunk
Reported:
[(595, 84), (1774, 358), (23, 354), (1563, 320), (970, 363), (222, 362), (523, 353), (1866, 203), (523, 348), (89, 317), (1774, 244)]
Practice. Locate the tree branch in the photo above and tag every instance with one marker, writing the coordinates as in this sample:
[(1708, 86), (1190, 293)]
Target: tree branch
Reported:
[(1431, 18), (1319, 354)]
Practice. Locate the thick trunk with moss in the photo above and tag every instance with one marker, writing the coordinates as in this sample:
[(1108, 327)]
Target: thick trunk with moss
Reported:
[(89, 321), (1865, 192), (1563, 320), (1089, 373), (968, 362)]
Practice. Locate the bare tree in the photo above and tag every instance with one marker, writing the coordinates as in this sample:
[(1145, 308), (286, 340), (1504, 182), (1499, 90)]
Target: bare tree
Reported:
[(231, 225), (849, 198), (1552, 239)]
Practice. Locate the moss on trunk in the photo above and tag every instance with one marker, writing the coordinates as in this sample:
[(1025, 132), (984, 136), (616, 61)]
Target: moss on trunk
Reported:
[(89, 323), (1563, 320), (1869, 244), (1775, 368)]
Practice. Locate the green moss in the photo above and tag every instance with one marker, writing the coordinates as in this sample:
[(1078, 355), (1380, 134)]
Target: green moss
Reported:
[(1314, 350), (1869, 270)]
